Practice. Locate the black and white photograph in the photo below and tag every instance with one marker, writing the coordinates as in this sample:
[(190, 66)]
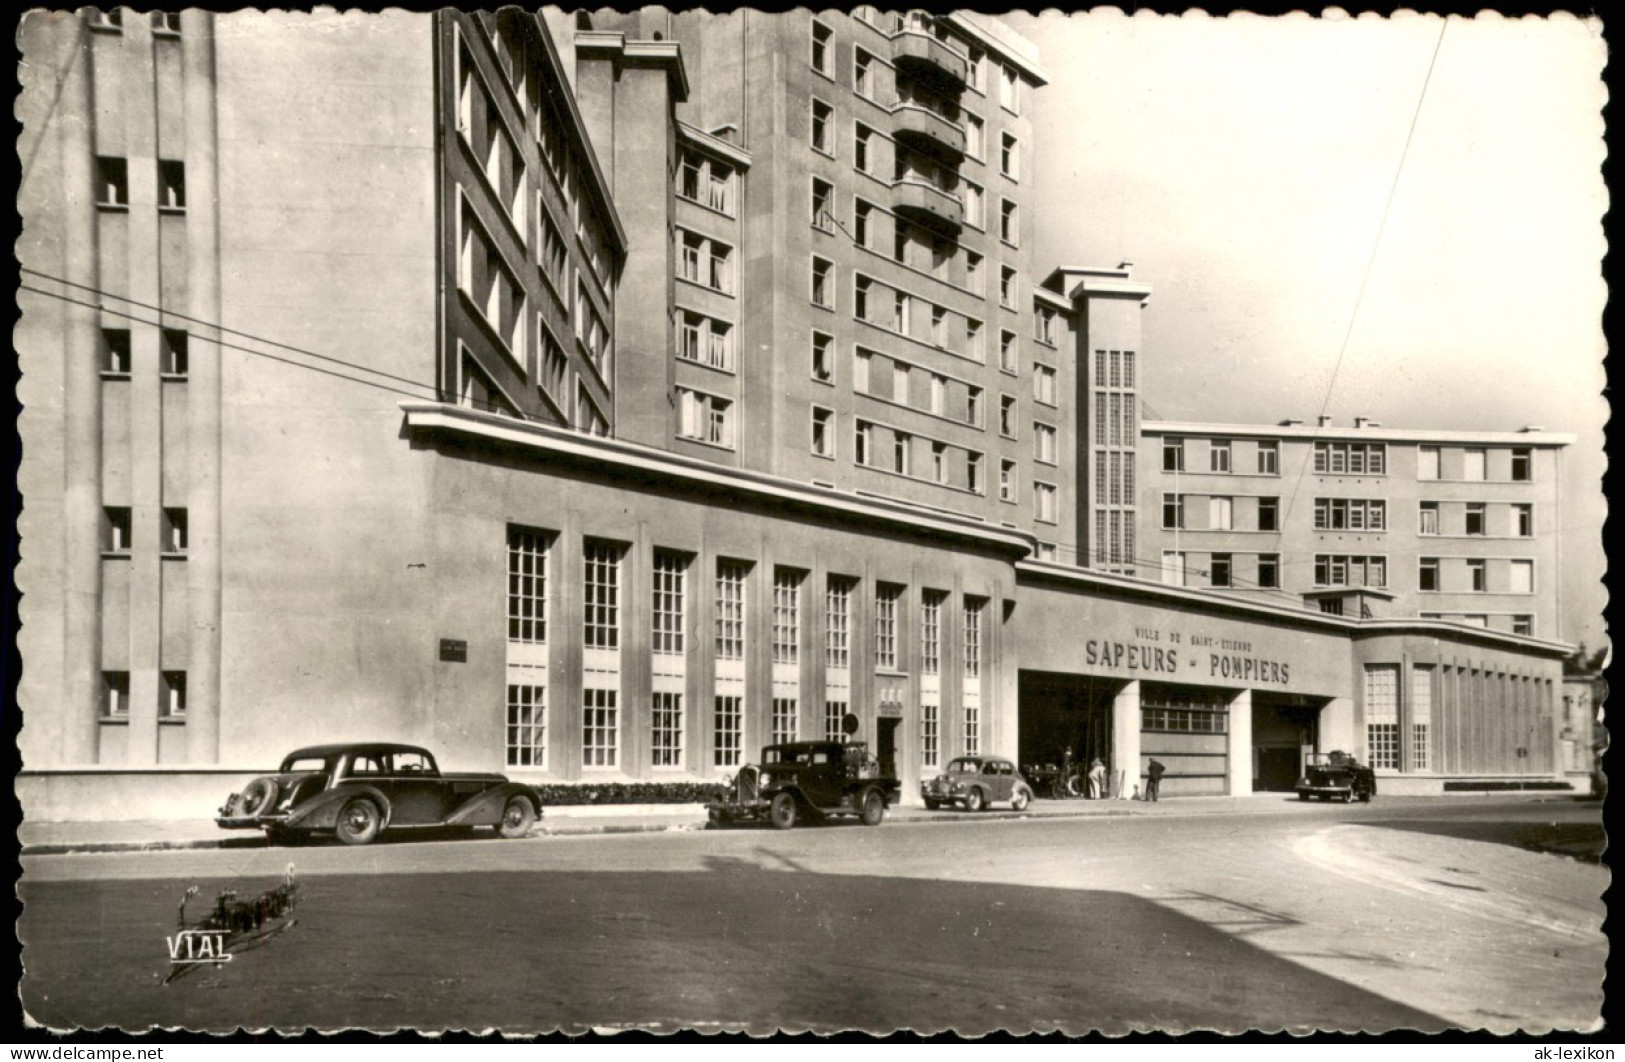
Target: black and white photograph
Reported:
[(857, 521)]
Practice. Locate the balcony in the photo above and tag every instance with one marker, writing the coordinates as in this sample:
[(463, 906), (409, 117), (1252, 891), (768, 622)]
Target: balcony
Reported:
[(923, 55), (928, 205), (927, 131)]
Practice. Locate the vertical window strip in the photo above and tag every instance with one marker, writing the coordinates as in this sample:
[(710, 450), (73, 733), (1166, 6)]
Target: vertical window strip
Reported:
[(669, 571), (527, 585), (834, 712), (729, 728), (527, 726), (1421, 716), (931, 634), (973, 639), (730, 610), (786, 617), (600, 728), (666, 738), (930, 735), (602, 562), (837, 627), (886, 630), (784, 720)]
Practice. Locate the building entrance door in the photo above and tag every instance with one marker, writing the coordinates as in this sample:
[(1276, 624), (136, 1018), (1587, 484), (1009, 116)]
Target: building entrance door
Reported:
[(1285, 729), (886, 745)]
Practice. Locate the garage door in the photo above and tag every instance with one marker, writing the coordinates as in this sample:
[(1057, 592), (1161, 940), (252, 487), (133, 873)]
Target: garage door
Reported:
[(1186, 729)]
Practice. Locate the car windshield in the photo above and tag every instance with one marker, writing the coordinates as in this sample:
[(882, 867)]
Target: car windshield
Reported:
[(964, 767)]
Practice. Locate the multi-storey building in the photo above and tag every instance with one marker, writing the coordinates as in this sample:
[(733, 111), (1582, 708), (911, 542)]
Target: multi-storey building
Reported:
[(619, 396), (1450, 525)]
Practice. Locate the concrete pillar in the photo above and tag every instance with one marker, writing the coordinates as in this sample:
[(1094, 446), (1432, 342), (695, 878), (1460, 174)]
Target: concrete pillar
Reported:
[(203, 565), (1126, 739), (1239, 745), (1337, 731)]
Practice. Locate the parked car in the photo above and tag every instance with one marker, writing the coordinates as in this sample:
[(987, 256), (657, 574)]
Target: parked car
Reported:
[(807, 779), (356, 792), (974, 782), (1337, 774)]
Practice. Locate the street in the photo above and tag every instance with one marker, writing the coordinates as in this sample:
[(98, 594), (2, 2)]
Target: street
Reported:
[(1423, 914)]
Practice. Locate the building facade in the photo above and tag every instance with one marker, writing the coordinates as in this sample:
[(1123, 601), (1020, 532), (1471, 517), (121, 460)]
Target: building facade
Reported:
[(1459, 526), (624, 393)]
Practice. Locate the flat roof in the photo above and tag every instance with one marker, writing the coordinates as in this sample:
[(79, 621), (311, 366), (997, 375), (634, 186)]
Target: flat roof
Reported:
[(1353, 434), (648, 460), (1219, 601)]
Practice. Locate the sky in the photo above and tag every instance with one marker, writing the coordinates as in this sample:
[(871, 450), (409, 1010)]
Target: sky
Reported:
[(1328, 226)]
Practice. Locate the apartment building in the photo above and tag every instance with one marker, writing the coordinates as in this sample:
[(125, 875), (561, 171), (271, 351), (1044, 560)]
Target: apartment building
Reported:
[(624, 393), (1450, 525)]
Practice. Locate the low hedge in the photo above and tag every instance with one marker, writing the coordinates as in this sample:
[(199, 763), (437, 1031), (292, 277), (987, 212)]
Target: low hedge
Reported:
[(630, 793)]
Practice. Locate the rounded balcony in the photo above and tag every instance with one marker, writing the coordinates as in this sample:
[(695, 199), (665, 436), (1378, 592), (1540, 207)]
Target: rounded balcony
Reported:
[(920, 53), (925, 130), (924, 203)]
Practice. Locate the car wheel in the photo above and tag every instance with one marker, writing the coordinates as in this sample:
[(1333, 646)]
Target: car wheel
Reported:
[(260, 795), (359, 822), (1365, 798), (1020, 799), (1304, 797), (1348, 795), (782, 812), (932, 805), (872, 807), (517, 818), (974, 800)]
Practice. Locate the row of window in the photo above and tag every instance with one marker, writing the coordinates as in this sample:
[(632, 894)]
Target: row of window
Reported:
[(1520, 622), (1330, 514), (1331, 570), (1117, 419), (173, 352), (115, 697), (1220, 512), (113, 184), (1340, 458), (116, 524), (529, 560), (1114, 369), (865, 63), (111, 20)]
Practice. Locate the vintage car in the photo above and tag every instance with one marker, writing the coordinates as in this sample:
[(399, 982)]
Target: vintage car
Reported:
[(1337, 774), (974, 782), (807, 780), (356, 792)]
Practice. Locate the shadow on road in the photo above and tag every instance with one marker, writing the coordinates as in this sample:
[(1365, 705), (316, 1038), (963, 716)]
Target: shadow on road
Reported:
[(759, 942)]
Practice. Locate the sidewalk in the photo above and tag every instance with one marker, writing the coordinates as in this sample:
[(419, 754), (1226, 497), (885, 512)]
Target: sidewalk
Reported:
[(151, 835)]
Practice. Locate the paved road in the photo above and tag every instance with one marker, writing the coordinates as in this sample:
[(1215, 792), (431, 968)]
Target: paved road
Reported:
[(1425, 916)]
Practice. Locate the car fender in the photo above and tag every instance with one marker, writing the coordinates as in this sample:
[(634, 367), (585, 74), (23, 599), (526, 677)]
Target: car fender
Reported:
[(321, 812), (485, 808)]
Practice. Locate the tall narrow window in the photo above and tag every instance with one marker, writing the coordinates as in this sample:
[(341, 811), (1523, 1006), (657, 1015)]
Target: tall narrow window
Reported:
[(823, 432), (602, 585), (1269, 514), (863, 77), (112, 181), (171, 185), (1382, 716), (173, 530), (1219, 569), (116, 529), (972, 621), (1009, 223), (1427, 462), (1421, 715), (527, 585), (1427, 573), (600, 728), (730, 617), (887, 599), (116, 695), (931, 633), (823, 125), (1173, 455), (172, 352), (822, 48), (822, 195), (1522, 465), (1218, 455), (838, 622), (115, 351), (862, 151), (1269, 570), (1523, 520), (666, 730), (1477, 576), (823, 283), (172, 696), (1427, 518), (526, 738), (1472, 464), (1522, 574), (670, 570), (930, 735), (728, 731), (1269, 458), (786, 616), (1010, 157), (784, 720)]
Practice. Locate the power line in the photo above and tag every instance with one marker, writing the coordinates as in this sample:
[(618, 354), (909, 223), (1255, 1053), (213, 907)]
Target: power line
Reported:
[(1371, 259), (433, 392)]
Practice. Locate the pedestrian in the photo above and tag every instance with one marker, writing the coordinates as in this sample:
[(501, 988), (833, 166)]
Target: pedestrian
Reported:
[(1153, 779), (1097, 779)]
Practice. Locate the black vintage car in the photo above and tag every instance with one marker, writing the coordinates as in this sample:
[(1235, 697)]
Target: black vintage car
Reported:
[(1337, 775), (808, 780), (355, 792)]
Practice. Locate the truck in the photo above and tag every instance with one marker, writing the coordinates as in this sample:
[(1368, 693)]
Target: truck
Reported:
[(807, 781)]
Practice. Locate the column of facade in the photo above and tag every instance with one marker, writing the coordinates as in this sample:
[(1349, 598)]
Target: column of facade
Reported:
[(1126, 738), (1239, 745)]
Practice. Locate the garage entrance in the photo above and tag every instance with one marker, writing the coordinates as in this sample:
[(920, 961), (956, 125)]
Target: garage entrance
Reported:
[(1061, 713), (1285, 729), (1186, 729)]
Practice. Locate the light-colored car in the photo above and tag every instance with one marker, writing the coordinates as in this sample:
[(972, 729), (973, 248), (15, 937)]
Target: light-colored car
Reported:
[(975, 782)]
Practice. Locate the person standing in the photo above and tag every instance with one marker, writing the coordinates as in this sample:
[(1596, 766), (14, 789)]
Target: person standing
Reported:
[(1153, 779), (1097, 779)]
